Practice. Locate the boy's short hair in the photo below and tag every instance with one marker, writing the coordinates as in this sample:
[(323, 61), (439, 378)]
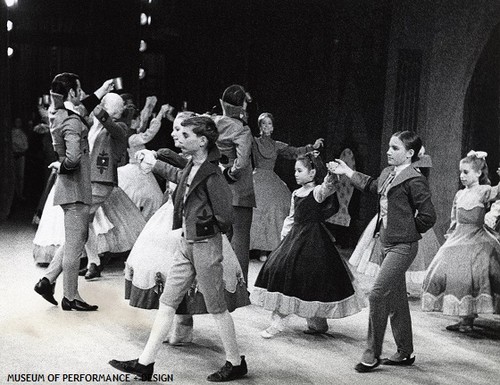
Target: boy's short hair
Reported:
[(64, 82), (234, 95), (203, 126)]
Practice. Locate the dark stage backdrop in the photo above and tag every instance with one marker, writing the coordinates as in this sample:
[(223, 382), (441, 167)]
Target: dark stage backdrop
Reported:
[(319, 66)]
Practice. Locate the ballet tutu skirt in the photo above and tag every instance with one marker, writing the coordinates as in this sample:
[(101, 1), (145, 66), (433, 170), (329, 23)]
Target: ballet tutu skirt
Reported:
[(150, 259)]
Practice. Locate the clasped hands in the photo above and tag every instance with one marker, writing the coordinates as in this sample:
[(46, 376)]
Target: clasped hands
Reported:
[(339, 167), (146, 159)]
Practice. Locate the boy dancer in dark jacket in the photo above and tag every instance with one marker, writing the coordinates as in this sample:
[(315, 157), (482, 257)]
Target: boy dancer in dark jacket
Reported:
[(202, 208)]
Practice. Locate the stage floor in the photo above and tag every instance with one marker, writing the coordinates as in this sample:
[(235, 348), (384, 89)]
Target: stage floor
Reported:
[(43, 341)]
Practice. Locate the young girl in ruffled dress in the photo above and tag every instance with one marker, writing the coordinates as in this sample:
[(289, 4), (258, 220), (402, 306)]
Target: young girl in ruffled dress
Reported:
[(305, 275), (463, 279)]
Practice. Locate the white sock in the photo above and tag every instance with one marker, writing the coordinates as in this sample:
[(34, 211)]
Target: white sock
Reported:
[(227, 334), (159, 331)]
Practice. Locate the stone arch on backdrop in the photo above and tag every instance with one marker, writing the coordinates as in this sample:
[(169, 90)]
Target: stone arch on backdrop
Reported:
[(453, 65)]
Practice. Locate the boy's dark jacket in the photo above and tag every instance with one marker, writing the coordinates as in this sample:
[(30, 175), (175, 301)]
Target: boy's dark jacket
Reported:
[(405, 221), (208, 209)]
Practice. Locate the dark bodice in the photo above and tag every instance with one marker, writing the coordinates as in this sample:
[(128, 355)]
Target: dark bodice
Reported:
[(307, 209)]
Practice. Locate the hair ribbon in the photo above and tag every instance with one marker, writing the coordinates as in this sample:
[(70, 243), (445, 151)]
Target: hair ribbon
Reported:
[(478, 154)]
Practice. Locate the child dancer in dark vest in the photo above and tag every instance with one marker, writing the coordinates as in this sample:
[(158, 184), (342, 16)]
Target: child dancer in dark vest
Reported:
[(405, 211)]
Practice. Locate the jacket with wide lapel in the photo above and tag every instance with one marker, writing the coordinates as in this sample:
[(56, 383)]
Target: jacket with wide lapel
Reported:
[(201, 209), (407, 173)]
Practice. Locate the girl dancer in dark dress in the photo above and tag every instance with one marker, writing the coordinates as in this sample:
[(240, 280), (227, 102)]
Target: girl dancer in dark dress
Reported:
[(305, 275)]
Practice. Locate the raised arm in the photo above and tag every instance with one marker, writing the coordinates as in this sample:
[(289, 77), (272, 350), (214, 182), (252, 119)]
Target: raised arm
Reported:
[(167, 171), (91, 101), (117, 130), (361, 181), (290, 152), (171, 157), (150, 133), (325, 189), (146, 112)]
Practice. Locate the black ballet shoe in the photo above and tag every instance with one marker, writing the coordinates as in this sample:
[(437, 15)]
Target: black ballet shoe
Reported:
[(144, 372), (46, 290), (229, 372), (93, 271), (77, 305), (364, 368), (408, 361)]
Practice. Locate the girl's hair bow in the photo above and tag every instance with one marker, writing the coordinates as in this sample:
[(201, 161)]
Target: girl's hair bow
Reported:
[(478, 154)]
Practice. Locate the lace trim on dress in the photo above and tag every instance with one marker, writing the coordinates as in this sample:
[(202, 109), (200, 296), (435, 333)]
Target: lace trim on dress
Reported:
[(451, 305), (284, 304)]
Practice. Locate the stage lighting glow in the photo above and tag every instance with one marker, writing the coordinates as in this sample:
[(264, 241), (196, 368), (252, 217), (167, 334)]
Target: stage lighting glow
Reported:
[(149, 20), (10, 51), (142, 73), (10, 3), (143, 46), (144, 19), (10, 25)]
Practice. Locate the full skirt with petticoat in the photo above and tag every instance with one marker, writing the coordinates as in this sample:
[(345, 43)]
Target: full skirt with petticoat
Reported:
[(306, 276), (117, 224), (464, 277), (142, 189)]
